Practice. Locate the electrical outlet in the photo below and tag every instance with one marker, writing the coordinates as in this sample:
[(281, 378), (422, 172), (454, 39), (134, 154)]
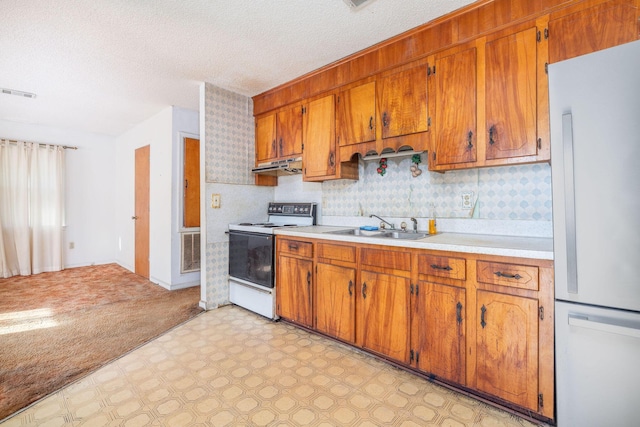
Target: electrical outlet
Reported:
[(215, 201), (467, 200)]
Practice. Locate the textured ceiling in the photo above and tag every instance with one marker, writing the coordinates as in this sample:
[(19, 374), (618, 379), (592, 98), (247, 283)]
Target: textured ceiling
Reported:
[(105, 65)]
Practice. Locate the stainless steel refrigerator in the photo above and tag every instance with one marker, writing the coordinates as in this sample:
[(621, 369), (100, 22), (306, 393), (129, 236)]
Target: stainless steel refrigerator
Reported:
[(595, 167)]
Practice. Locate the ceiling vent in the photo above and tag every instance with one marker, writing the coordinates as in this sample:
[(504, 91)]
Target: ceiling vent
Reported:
[(355, 4)]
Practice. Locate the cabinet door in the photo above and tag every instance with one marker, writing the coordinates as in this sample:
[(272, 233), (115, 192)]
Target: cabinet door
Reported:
[(507, 347), (403, 102), (455, 124), (356, 114), (319, 138), (293, 293), (605, 25), (440, 327), (289, 132), (266, 149), (335, 301), (384, 303), (510, 99)]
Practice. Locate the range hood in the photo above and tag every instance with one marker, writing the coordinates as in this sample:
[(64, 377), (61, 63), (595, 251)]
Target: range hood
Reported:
[(280, 167)]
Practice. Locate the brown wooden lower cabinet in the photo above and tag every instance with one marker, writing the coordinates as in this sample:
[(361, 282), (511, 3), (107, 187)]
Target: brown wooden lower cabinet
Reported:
[(480, 322), (507, 347), (439, 330), (335, 301), (384, 312)]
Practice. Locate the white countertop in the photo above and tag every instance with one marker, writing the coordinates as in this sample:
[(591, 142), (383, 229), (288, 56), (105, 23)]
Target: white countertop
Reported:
[(523, 247)]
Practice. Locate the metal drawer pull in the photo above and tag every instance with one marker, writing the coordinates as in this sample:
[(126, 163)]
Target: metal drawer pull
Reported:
[(293, 247), (483, 311), (459, 312), (439, 267), (350, 288), (508, 276), (364, 290)]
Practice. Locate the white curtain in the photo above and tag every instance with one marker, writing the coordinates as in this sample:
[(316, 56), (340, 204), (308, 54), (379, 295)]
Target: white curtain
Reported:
[(31, 208)]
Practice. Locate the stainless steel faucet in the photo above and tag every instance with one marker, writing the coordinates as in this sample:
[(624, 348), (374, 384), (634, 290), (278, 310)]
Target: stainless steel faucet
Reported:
[(415, 224), (393, 227)]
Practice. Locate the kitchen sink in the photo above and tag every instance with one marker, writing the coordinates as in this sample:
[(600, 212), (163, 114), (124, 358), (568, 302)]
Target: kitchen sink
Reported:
[(387, 234), (359, 232), (408, 235)]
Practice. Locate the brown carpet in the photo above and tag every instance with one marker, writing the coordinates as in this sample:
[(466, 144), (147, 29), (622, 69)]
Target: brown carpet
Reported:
[(58, 327)]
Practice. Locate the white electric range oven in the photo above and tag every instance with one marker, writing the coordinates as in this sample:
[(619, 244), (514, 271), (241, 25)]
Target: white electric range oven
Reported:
[(252, 255)]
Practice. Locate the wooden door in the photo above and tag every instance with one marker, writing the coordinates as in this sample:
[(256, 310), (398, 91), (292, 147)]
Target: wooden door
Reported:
[(384, 301), (439, 324), (141, 217), (455, 123), (335, 301), (266, 148), (319, 157), (293, 294), (510, 100), (507, 347), (289, 132), (191, 212), (356, 115), (403, 102), (591, 29)]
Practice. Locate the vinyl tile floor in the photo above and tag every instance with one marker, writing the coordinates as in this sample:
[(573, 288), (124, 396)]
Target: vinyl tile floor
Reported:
[(231, 367)]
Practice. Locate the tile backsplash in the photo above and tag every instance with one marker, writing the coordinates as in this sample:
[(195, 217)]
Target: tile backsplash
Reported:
[(520, 192)]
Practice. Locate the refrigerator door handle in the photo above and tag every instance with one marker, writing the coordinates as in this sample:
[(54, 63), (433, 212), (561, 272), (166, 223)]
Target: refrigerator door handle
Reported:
[(610, 327), (569, 204)]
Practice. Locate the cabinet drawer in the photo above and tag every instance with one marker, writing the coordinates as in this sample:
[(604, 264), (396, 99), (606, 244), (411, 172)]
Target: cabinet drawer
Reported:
[(441, 266), (296, 247), (386, 258), (512, 275), (337, 252)]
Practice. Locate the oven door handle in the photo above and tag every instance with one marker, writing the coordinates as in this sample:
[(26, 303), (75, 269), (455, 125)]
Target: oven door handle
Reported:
[(249, 233)]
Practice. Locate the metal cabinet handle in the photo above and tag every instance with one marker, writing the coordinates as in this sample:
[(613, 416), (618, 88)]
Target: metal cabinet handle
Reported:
[(371, 123), (281, 146), (483, 311), (492, 132), (439, 267), (508, 276), (309, 287), (364, 290), (385, 119), (470, 140), (134, 217), (350, 288), (459, 312), (332, 159)]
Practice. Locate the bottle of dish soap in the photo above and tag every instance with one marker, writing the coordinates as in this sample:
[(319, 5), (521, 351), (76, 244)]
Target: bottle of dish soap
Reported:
[(433, 229)]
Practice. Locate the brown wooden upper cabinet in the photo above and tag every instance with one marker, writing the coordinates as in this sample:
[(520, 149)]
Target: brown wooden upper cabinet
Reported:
[(279, 135), (319, 157), (510, 95), (403, 102), (453, 78), (321, 160), (579, 30), (356, 114), (491, 101)]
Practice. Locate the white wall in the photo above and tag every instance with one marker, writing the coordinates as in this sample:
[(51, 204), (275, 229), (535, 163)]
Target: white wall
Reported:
[(89, 189)]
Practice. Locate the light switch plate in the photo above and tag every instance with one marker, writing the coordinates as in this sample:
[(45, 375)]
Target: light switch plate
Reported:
[(215, 201)]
